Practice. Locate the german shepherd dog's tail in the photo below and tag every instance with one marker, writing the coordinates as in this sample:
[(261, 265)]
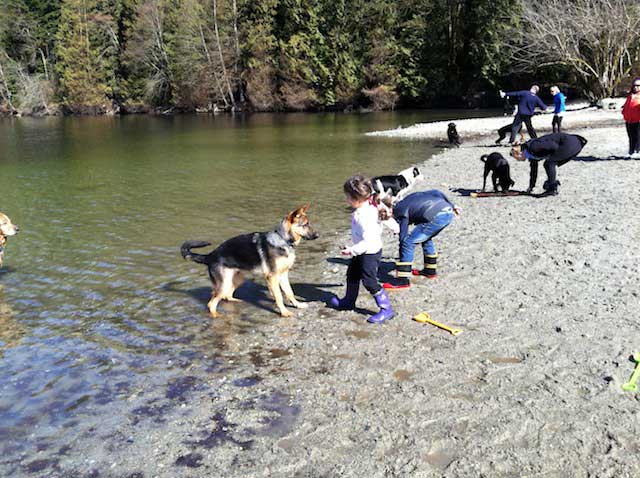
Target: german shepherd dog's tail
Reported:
[(186, 247)]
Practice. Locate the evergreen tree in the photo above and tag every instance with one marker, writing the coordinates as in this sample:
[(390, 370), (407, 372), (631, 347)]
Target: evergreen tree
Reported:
[(259, 48), (87, 49), (343, 54)]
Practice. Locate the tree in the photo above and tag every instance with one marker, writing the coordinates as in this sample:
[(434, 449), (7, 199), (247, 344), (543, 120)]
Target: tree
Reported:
[(303, 76), (45, 15), (87, 50), (598, 41), (343, 30), (6, 93), (259, 47), (25, 85), (148, 51), (198, 52)]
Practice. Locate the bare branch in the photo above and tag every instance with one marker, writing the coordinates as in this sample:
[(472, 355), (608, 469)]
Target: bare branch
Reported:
[(597, 40)]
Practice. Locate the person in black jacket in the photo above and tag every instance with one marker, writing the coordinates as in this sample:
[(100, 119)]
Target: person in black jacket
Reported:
[(555, 150)]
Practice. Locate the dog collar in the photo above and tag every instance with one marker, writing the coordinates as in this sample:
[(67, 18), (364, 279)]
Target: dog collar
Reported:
[(280, 232)]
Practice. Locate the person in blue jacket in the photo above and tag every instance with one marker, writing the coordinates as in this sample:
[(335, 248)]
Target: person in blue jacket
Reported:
[(431, 211), (528, 101), (554, 149), (558, 108)]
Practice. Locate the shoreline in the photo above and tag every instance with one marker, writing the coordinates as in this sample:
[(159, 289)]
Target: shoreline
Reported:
[(143, 110), (578, 115)]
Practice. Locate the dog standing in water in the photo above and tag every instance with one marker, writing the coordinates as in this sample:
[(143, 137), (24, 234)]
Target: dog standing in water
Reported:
[(7, 228), (271, 252)]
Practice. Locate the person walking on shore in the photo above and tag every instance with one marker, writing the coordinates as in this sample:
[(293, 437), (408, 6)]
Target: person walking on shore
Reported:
[(631, 115), (558, 108), (430, 211), (366, 251), (554, 149), (528, 101)]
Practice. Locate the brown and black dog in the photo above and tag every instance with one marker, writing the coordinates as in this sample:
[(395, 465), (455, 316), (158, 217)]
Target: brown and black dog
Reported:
[(271, 252), (7, 228)]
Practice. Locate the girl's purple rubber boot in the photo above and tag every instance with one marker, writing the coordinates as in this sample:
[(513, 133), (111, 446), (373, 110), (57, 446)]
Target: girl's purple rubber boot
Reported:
[(348, 302), (386, 311)]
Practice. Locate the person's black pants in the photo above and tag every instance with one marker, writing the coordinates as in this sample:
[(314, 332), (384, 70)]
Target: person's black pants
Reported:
[(556, 122), (550, 167), (365, 268), (517, 125), (633, 131)]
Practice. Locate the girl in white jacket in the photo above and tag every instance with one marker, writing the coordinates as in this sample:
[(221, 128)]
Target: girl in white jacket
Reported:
[(366, 251)]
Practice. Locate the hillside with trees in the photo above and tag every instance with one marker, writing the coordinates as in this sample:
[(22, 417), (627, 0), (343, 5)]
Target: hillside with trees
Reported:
[(119, 56)]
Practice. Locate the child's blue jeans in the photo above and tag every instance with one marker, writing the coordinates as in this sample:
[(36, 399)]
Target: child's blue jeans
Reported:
[(423, 234)]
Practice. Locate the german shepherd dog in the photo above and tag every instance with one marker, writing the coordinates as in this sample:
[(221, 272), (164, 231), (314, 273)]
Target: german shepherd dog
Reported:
[(271, 252), (7, 228)]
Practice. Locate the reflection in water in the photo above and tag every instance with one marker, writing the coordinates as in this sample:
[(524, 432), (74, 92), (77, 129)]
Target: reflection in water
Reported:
[(104, 315), (11, 332)]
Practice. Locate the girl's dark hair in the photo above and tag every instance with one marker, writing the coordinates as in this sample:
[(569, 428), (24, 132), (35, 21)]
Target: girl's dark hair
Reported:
[(631, 87), (358, 187)]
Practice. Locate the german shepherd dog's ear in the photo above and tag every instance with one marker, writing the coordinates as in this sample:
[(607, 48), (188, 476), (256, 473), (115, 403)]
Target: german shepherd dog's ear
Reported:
[(298, 226), (295, 214)]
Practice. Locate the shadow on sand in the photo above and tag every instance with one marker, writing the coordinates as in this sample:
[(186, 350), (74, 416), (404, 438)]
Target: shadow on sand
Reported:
[(588, 159), (468, 192)]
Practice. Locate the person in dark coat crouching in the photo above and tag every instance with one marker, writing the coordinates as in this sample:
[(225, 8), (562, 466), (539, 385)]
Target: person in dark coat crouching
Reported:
[(555, 150)]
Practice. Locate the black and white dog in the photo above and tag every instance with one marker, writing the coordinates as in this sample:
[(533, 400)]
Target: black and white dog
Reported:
[(396, 183)]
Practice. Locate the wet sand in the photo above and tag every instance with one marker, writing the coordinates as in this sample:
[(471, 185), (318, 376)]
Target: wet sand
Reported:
[(546, 292)]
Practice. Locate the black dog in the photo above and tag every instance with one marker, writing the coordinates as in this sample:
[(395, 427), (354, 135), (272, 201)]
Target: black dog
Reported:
[(501, 172), (504, 131), (452, 134), (396, 182)]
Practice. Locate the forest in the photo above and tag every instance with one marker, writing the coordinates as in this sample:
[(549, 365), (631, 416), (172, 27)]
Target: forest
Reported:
[(166, 56)]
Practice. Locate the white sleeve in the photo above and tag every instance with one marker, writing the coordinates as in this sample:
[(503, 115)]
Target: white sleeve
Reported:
[(371, 231)]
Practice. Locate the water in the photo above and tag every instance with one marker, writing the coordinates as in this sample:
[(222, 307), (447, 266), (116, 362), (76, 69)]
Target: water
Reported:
[(96, 305)]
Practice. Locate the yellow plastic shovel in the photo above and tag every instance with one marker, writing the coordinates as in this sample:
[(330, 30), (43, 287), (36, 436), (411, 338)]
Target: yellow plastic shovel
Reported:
[(424, 318)]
